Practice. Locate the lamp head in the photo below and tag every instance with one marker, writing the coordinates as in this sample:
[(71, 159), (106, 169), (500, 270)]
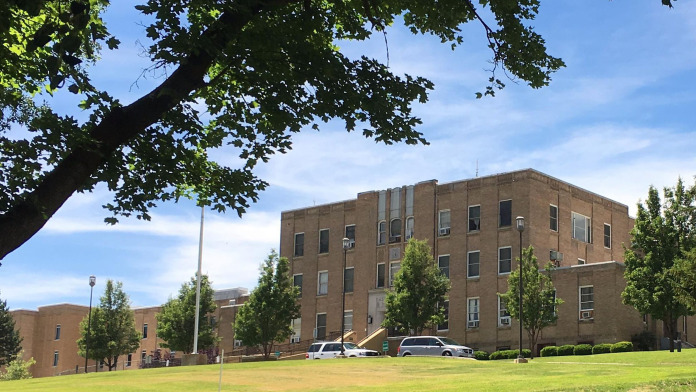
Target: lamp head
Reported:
[(520, 223), (346, 243), (92, 280)]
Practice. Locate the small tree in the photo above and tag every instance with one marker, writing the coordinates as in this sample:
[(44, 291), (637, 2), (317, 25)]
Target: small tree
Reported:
[(18, 368), (176, 321), (265, 318), (10, 341), (539, 297), (419, 291), (112, 332), (663, 234)]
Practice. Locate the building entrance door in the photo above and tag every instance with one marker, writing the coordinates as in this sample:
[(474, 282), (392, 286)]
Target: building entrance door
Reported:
[(375, 310)]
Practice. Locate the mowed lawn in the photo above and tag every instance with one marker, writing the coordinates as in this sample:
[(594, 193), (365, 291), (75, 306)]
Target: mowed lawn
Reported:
[(643, 371)]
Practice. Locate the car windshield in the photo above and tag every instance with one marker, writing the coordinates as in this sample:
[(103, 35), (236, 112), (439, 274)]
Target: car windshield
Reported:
[(350, 346), (450, 342)]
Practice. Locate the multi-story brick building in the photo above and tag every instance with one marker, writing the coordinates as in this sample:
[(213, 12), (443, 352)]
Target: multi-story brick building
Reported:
[(470, 226)]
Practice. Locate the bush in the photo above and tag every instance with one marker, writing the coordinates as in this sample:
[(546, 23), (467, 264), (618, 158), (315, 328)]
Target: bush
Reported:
[(18, 369), (601, 348), (549, 351), (510, 354), (644, 341), (582, 349), (481, 355), (622, 347), (566, 349)]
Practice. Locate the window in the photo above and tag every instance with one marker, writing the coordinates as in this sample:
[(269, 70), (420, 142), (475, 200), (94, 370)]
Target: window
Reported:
[(581, 228), (474, 218), (409, 227), (443, 263), (503, 314), (445, 324), (586, 298), (144, 331), (321, 326), (504, 260), (58, 332), (323, 287), (393, 269), (129, 360), (472, 313), (350, 234), (296, 330), (381, 233), (348, 280), (395, 230), (581, 261), (347, 320), (607, 235), (299, 244), (55, 358), (444, 223), (553, 300), (472, 264), (143, 355), (213, 321), (553, 217), (380, 275), (324, 241), (297, 282), (505, 213)]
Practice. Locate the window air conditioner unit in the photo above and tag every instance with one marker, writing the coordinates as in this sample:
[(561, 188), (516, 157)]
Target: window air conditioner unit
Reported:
[(237, 343), (473, 324), (505, 321), (444, 231), (586, 314), (351, 244), (295, 339), (556, 255)]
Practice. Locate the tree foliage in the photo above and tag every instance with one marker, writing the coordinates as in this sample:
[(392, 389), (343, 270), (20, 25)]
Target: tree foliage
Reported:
[(664, 232), (245, 75), (10, 340), (112, 331), (18, 368), (265, 318), (176, 321), (416, 300), (539, 301)]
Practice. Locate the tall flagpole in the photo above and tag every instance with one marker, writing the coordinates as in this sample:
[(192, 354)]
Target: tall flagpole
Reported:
[(198, 285)]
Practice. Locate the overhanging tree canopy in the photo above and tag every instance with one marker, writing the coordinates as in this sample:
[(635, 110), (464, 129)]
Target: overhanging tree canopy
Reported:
[(245, 74)]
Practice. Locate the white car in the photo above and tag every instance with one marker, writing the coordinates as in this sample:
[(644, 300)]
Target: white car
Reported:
[(328, 350)]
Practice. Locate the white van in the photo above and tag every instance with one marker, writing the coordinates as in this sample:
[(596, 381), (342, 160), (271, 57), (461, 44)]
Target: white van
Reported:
[(433, 345)]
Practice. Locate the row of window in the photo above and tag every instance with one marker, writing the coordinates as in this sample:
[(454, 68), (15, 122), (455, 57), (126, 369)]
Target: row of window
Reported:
[(323, 240), (320, 330), (323, 281), (58, 331)]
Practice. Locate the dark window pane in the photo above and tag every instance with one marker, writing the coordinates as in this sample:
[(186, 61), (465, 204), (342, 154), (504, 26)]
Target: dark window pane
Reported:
[(553, 218), (443, 263), (473, 265), (505, 218), (380, 275), (348, 280), (297, 282), (350, 232), (475, 218), (324, 241), (299, 244)]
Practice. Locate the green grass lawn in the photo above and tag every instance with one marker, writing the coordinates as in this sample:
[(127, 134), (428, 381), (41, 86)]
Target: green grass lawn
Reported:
[(642, 371)]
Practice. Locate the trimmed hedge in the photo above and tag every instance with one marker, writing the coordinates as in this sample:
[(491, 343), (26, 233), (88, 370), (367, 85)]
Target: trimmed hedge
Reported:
[(602, 348), (566, 349), (549, 351), (481, 355), (510, 354), (622, 347), (582, 349)]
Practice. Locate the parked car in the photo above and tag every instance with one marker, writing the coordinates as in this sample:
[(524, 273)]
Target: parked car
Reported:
[(433, 345), (327, 350)]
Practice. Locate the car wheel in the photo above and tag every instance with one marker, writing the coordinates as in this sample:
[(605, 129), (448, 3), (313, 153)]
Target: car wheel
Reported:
[(406, 354), (447, 354)]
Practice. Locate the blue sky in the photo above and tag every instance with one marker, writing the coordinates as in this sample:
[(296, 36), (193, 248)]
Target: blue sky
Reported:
[(619, 118)]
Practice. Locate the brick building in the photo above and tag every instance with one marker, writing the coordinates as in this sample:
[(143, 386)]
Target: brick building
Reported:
[(470, 226)]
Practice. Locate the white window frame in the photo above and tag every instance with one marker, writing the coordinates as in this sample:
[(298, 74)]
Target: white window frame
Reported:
[(143, 355), (351, 243), (553, 218), (347, 314), (294, 246), (470, 313), (581, 261), (395, 237), (319, 291), (580, 301), (382, 232), (444, 230), (468, 227), (499, 260), (588, 227), (503, 314), (392, 273), (468, 256), (385, 276), (328, 241), (296, 325), (500, 225), (316, 325), (410, 228), (447, 274), (129, 360), (607, 237)]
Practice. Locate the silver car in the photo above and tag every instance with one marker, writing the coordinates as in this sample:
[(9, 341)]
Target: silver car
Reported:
[(433, 345), (328, 350)]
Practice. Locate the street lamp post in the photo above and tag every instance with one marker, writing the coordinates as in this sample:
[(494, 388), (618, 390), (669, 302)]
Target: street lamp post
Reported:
[(92, 282), (520, 228), (346, 245)]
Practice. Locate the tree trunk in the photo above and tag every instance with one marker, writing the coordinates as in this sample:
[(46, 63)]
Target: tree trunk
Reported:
[(123, 124)]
